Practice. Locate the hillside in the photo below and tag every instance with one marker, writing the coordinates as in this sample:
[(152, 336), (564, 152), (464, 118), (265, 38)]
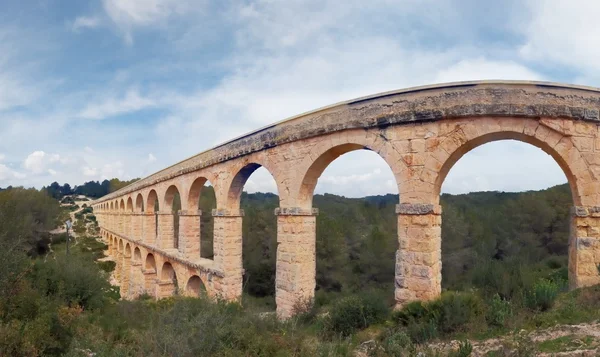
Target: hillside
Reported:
[(504, 279), (356, 237)]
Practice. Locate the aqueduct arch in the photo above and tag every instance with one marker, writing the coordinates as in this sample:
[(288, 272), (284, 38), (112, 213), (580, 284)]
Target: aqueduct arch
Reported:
[(419, 132)]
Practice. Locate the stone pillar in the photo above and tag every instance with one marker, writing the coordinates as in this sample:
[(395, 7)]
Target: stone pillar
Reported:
[(150, 281), (127, 224), (228, 252), (295, 279), (126, 277), (120, 223), (166, 232), (136, 283), (584, 247), (419, 259), (189, 234), (165, 288), (119, 266), (136, 226), (149, 228)]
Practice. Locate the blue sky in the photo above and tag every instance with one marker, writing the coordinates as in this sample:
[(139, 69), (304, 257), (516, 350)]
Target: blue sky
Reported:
[(122, 88)]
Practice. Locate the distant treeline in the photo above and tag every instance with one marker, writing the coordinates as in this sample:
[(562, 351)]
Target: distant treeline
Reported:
[(93, 189)]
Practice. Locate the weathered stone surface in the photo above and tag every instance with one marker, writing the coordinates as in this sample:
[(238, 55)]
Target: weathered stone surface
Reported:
[(415, 208), (296, 211), (227, 213), (420, 133)]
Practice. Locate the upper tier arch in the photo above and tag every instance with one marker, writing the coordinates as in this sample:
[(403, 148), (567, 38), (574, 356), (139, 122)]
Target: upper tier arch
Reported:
[(479, 99)]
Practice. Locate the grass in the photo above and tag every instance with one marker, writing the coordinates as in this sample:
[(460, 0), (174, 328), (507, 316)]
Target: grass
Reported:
[(471, 315), (566, 343)]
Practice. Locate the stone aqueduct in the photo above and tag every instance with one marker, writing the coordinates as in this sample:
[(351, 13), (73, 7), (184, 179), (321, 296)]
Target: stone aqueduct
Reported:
[(419, 132)]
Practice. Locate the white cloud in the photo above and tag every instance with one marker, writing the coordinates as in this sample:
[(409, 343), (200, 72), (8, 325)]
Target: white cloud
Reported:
[(482, 68), (131, 102), (2, 157), (89, 171), (52, 172), (8, 176), (38, 161), (82, 22), (259, 69), (563, 33), (113, 170), (129, 14)]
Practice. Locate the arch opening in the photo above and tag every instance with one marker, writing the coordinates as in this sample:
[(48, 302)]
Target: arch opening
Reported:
[(504, 136), (254, 190), (356, 193), (139, 203), (150, 263), (168, 274), (150, 275), (137, 255), (508, 228), (152, 206), (173, 204), (195, 287), (202, 198)]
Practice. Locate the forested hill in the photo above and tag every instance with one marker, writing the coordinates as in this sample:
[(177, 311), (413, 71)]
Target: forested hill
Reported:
[(356, 238)]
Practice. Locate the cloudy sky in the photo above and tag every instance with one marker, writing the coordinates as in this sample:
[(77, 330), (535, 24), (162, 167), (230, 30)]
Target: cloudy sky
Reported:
[(122, 88)]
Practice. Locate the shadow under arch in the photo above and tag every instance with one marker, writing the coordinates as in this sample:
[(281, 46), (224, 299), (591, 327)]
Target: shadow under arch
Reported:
[(172, 204), (201, 200), (195, 287), (139, 203), (168, 275), (150, 275)]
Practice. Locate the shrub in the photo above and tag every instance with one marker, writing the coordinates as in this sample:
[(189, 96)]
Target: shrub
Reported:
[(397, 343), (107, 266), (542, 295), (421, 332), (413, 311), (452, 312), (498, 311), (356, 312), (464, 350), (507, 278), (305, 311), (456, 309), (75, 281)]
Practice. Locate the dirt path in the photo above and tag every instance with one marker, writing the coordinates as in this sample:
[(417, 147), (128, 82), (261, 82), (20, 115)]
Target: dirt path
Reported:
[(562, 340)]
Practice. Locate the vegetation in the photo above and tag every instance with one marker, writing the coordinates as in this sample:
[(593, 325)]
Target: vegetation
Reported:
[(93, 189), (504, 270)]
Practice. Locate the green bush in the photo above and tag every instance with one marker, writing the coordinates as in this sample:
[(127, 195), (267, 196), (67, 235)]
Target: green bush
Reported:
[(456, 309), (542, 295), (464, 350), (76, 281), (423, 331), (506, 278), (498, 311), (451, 312), (356, 312), (107, 266), (397, 343)]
